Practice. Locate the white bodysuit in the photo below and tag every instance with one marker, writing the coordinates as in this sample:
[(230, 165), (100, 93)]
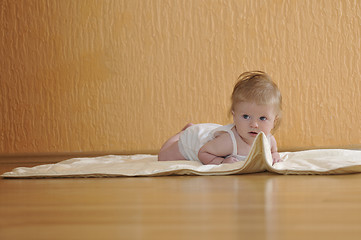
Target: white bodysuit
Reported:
[(195, 136)]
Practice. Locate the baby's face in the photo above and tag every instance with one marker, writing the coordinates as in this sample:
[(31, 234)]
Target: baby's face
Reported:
[(251, 118)]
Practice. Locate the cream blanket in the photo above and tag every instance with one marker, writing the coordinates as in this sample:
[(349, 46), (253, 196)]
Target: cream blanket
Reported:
[(321, 161)]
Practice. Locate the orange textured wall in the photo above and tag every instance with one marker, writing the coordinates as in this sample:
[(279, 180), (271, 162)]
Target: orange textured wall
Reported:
[(124, 75)]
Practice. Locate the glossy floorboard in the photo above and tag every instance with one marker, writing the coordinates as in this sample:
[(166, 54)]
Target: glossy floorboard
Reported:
[(253, 206)]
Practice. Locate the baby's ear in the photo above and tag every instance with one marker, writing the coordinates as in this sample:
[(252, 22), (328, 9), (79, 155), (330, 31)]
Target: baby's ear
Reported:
[(230, 113), (276, 122)]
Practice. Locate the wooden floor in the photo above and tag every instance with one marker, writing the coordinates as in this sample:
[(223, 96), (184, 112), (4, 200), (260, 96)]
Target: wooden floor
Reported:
[(254, 206)]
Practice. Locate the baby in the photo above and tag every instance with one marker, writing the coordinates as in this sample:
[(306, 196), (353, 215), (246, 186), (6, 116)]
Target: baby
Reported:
[(256, 107)]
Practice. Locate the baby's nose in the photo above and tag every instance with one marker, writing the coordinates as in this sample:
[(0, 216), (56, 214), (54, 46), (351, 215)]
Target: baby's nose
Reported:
[(254, 124)]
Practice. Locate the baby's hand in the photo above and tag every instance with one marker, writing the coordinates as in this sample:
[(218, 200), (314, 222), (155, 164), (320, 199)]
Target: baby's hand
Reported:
[(276, 158), (230, 160)]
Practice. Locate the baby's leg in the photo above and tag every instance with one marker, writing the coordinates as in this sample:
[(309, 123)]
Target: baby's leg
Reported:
[(170, 153), (170, 150)]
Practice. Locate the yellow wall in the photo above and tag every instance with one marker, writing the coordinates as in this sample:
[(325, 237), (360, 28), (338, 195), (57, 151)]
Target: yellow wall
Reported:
[(124, 75)]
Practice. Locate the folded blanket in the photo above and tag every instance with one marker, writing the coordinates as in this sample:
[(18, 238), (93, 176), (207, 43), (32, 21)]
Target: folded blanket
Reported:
[(321, 161)]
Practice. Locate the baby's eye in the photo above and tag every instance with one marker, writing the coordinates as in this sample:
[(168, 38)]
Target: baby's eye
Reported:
[(245, 116), (263, 118)]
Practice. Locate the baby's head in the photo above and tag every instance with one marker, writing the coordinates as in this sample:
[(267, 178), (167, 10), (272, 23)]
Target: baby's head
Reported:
[(257, 87)]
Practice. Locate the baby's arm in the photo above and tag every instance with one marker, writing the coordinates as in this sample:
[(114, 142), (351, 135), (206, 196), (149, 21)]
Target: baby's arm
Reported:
[(213, 152), (275, 155)]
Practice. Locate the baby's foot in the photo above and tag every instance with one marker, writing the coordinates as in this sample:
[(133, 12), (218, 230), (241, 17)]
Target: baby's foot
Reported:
[(187, 126)]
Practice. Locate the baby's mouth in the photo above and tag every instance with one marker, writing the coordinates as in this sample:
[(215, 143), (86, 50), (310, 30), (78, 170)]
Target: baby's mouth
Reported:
[(252, 133)]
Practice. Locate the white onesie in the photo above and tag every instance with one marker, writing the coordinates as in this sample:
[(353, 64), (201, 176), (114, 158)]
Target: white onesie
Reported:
[(195, 136)]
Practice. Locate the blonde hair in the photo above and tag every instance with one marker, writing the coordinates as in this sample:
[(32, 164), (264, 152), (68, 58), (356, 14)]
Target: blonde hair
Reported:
[(258, 87)]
